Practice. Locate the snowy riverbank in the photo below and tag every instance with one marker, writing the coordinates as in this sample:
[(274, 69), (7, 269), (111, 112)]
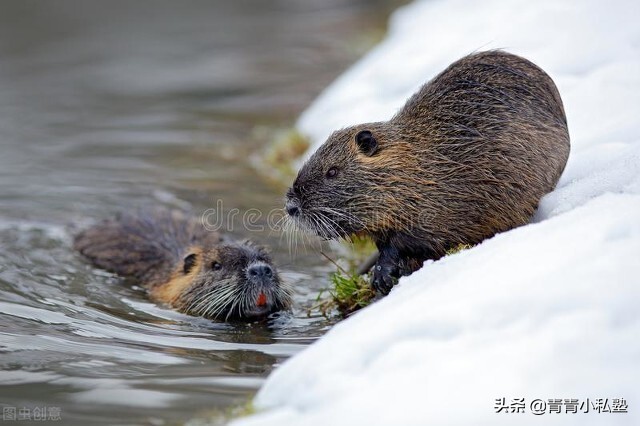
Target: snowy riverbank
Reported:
[(549, 310)]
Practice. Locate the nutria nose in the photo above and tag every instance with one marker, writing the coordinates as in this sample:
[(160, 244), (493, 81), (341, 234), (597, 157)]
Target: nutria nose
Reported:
[(292, 209), (260, 270)]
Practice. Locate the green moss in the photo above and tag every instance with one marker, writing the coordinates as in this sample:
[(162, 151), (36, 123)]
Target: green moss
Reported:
[(283, 148), (221, 417), (242, 410)]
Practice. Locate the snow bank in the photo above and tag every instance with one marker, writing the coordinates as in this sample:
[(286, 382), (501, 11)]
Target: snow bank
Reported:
[(549, 310)]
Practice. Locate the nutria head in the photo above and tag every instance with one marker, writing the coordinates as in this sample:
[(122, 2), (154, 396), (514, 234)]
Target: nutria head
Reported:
[(353, 182), (226, 281)]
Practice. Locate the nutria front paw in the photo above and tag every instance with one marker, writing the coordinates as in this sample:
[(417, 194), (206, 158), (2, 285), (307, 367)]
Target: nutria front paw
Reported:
[(386, 270), (384, 277)]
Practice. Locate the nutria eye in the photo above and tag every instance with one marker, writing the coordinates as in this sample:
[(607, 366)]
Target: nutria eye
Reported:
[(332, 172), (216, 266), (367, 144)]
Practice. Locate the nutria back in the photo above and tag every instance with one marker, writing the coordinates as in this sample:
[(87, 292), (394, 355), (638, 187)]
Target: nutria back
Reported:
[(491, 137), (468, 156), (145, 244)]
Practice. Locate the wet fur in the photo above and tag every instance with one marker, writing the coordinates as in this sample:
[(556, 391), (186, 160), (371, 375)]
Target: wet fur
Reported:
[(146, 245)]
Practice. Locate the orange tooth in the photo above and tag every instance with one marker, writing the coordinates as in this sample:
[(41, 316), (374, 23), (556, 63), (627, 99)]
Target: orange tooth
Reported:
[(262, 299)]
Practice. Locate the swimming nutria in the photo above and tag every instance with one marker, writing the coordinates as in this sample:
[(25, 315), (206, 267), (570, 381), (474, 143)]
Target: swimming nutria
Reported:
[(182, 264), (468, 156)]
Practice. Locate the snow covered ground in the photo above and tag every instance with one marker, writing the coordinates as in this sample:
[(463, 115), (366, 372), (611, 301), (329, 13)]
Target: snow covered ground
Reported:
[(546, 311)]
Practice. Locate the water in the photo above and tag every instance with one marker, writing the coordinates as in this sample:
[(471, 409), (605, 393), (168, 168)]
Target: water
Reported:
[(109, 105)]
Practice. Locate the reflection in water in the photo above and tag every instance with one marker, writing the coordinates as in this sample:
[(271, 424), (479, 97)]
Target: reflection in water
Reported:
[(109, 105)]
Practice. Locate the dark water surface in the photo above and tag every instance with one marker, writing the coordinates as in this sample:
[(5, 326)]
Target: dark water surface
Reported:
[(109, 105)]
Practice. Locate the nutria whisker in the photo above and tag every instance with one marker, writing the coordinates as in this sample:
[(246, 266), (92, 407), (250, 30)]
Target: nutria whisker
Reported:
[(215, 304), (211, 300)]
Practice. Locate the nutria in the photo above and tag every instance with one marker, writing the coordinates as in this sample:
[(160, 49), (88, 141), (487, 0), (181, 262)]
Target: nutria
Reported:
[(469, 155), (180, 263)]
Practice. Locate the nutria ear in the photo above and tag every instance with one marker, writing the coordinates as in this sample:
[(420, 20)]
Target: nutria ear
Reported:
[(189, 262), (367, 144)]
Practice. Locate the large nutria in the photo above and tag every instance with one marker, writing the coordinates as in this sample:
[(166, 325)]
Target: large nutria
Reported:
[(180, 263), (468, 156)]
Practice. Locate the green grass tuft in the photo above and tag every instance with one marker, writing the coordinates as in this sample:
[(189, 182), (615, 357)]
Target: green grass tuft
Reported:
[(348, 292)]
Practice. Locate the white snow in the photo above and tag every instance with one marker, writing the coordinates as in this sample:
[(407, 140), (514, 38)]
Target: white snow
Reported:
[(548, 310)]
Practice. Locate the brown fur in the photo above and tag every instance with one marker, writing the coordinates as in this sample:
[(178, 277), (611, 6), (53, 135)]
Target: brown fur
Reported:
[(173, 256), (468, 156)]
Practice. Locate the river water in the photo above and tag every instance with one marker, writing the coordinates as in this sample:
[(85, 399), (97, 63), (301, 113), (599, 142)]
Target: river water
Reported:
[(105, 106)]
